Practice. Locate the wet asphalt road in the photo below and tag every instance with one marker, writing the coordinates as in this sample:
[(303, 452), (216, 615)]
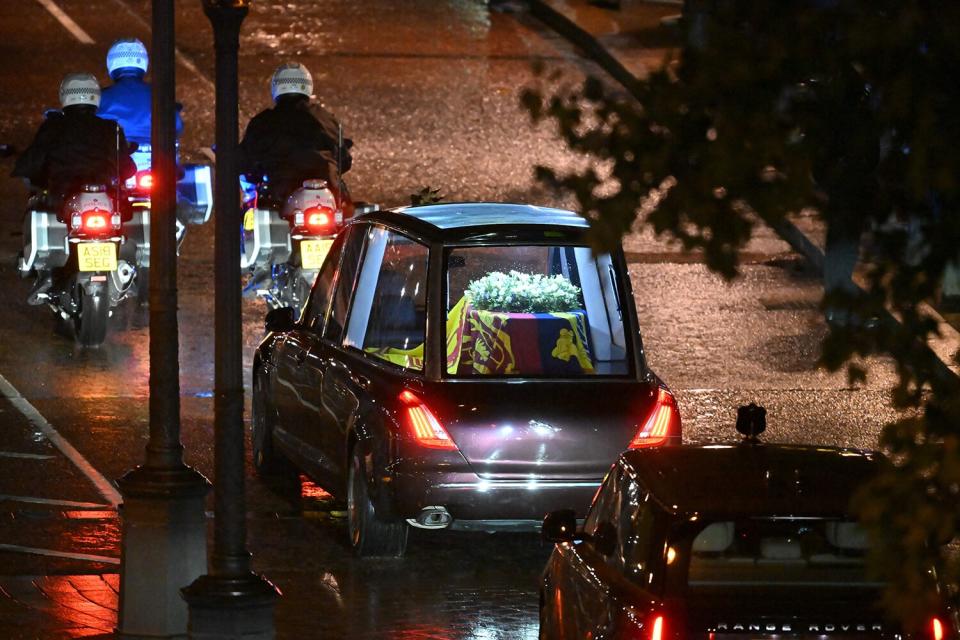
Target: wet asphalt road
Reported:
[(428, 90)]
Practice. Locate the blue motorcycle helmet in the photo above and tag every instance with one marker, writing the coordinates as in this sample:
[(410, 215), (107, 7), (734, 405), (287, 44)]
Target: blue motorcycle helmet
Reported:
[(127, 56)]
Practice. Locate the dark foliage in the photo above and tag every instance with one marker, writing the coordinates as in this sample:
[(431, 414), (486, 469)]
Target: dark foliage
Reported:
[(848, 107)]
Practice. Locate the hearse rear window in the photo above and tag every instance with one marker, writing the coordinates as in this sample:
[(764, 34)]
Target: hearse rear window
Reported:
[(537, 311)]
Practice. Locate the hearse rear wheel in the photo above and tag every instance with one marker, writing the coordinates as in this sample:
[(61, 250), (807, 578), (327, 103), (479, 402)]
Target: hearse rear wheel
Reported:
[(369, 535)]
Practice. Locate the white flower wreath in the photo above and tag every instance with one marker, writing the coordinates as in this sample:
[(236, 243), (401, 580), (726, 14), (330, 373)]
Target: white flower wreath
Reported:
[(517, 292)]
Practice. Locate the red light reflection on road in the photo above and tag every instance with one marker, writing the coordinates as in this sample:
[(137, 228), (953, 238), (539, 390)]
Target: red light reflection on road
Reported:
[(310, 491)]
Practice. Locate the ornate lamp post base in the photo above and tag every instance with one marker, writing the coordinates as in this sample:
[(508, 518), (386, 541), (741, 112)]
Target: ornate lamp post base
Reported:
[(231, 607), (163, 548)]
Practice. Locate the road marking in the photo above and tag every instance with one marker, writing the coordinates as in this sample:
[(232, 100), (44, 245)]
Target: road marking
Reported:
[(89, 557), (75, 30), (51, 501), (106, 489), (26, 456), (180, 56)]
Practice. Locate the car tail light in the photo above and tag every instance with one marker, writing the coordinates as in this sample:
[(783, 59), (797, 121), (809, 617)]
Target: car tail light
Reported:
[(656, 628), (936, 629), (652, 627), (423, 425), (662, 422), (145, 180)]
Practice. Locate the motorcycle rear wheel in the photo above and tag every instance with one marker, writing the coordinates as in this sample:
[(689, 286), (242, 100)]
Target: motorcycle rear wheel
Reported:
[(90, 323)]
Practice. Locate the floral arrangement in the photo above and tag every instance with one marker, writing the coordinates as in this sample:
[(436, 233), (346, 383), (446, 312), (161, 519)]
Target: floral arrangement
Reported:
[(517, 292)]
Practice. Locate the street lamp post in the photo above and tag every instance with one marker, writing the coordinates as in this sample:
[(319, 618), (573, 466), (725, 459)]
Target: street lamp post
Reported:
[(163, 534), (231, 601)]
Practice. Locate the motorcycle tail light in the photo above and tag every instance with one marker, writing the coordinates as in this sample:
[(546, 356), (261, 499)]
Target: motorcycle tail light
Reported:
[(145, 180), (663, 421), (423, 425), (319, 218), (95, 220)]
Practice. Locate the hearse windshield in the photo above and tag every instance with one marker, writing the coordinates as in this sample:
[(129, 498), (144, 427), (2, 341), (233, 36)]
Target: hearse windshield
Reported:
[(533, 311)]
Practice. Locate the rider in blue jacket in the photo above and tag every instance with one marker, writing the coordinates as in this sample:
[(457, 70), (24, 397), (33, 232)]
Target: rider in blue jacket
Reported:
[(128, 100)]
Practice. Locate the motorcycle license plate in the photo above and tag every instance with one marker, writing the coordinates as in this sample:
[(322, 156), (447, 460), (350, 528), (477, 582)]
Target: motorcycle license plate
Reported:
[(97, 256), (312, 253)]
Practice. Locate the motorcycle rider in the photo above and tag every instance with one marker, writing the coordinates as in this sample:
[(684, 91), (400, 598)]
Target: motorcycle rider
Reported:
[(295, 140), (128, 100), (73, 147)]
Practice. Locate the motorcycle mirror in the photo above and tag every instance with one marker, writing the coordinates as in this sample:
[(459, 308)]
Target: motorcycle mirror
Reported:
[(360, 208), (279, 320)]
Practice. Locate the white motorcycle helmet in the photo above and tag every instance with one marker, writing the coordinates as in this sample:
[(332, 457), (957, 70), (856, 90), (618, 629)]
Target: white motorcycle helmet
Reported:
[(79, 88), (127, 54), (291, 77)]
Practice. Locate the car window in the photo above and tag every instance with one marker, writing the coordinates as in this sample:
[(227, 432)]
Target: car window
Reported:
[(389, 314), (346, 279), (636, 533), (315, 312), (766, 553), (534, 311), (606, 502)]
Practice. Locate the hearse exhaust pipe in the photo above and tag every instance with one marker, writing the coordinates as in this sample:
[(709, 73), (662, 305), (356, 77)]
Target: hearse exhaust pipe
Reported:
[(432, 518)]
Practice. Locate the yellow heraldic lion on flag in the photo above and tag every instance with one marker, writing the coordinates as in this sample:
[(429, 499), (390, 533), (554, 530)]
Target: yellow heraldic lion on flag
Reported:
[(570, 346)]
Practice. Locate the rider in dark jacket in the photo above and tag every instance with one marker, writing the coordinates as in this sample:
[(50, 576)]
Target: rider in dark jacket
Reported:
[(296, 140), (74, 146)]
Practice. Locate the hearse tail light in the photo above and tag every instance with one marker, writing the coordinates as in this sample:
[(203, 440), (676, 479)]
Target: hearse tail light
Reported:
[(663, 421), (423, 425)]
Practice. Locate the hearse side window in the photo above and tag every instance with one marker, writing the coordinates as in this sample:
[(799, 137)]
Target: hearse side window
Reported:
[(389, 314), (346, 279), (315, 312)]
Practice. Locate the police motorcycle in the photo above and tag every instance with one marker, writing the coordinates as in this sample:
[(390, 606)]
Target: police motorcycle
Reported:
[(284, 244), (194, 206), (80, 251)]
